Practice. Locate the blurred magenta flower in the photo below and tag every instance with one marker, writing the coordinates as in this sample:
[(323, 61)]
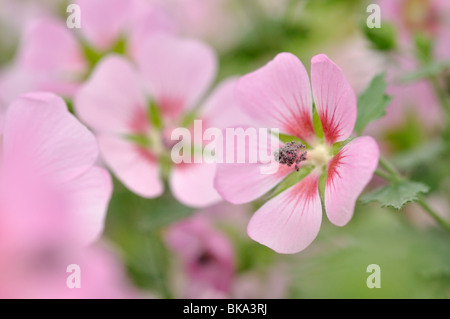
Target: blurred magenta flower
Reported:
[(173, 74), (206, 255), (279, 95), (51, 192)]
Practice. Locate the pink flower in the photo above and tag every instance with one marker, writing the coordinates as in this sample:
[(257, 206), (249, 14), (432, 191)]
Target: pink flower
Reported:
[(45, 276), (279, 95), (211, 21), (429, 17), (133, 19), (174, 73), (40, 65), (51, 192), (51, 57), (206, 255), (412, 99)]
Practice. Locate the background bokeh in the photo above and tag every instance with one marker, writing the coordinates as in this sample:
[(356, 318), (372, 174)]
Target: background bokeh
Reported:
[(412, 251)]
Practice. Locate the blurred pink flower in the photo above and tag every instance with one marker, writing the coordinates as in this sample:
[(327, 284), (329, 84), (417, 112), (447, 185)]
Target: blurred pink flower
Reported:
[(45, 276), (133, 19), (417, 99), (51, 56), (352, 56), (53, 202), (175, 73), (271, 283), (215, 22), (279, 95), (206, 255), (41, 65), (50, 191), (429, 17), (414, 99)]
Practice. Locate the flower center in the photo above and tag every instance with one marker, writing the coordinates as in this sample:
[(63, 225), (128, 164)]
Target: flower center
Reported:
[(291, 154), (319, 156)]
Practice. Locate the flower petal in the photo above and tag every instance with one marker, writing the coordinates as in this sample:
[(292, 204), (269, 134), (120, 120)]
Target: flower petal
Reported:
[(177, 71), (42, 137), (38, 51), (334, 99), (221, 110), (289, 222), (98, 27), (111, 100), (43, 66), (243, 182), (193, 184), (135, 167), (148, 19), (279, 95), (88, 200), (349, 172)]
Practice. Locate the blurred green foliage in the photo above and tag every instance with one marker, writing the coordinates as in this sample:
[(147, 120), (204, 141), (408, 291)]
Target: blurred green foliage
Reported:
[(414, 263)]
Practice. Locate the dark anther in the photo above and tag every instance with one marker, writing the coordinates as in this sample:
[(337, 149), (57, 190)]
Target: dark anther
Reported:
[(205, 258), (291, 154)]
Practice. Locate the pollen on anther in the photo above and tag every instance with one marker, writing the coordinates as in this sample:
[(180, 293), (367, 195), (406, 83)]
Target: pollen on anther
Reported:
[(291, 154)]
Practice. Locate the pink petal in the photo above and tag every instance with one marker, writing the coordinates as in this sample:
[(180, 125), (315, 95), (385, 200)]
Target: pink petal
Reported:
[(43, 66), (177, 71), (88, 198), (348, 174), (38, 50), (42, 137), (18, 80), (2, 118), (334, 99), (15, 81), (135, 167), (289, 222), (193, 184), (104, 21), (148, 19), (243, 182), (221, 109), (111, 100), (279, 95)]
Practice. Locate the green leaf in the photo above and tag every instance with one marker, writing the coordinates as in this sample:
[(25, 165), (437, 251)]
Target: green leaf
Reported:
[(424, 47), (372, 102), (396, 194), (383, 39)]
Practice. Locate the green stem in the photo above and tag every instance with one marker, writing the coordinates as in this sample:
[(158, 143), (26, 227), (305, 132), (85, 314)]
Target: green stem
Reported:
[(384, 175), (441, 95), (385, 164), (433, 214)]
